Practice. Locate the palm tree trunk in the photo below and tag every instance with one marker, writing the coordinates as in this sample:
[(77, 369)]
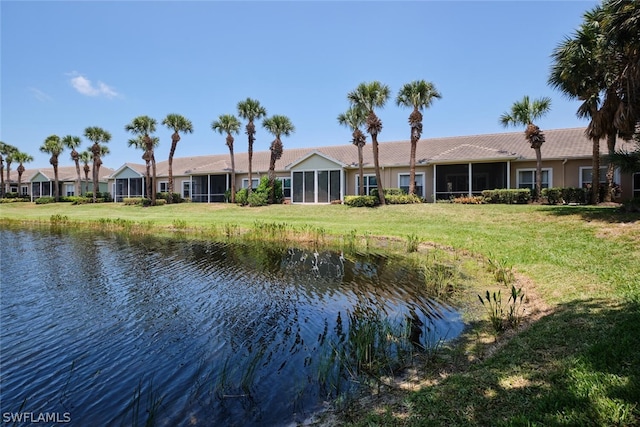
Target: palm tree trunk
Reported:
[(233, 175), (611, 147), (95, 176), (595, 172), (79, 181), (1, 178), (153, 183), (272, 178), (412, 166), (361, 170), (376, 163), (86, 178), (172, 151), (538, 173)]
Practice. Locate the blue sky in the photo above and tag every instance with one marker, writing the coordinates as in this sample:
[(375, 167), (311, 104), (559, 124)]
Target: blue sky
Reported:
[(69, 65)]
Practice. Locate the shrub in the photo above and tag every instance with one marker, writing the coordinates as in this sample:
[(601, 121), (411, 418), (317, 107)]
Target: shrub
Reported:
[(242, 197), (100, 196), (130, 201), (469, 200), (361, 201), (574, 195), (507, 196), (257, 198), (401, 199), (553, 195), (159, 202), (632, 205), (173, 197), (45, 200)]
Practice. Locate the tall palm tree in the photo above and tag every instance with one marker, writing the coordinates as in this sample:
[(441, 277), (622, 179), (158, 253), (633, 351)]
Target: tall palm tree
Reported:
[(354, 118), (278, 126), (369, 96), (21, 158), (8, 151), (598, 66), (99, 137), (141, 142), (229, 124), (524, 113), (178, 124), (53, 145), (73, 142), (250, 110), (418, 94), (85, 158), (143, 126)]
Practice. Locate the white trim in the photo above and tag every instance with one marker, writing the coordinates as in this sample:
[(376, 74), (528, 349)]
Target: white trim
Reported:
[(549, 174), (603, 175), (417, 174), (366, 185), (160, 186)]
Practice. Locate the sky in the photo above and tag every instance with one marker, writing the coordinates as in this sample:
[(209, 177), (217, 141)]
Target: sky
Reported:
[(68, 65)]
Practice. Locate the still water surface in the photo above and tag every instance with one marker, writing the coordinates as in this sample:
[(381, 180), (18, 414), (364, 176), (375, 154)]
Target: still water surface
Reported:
[(111, 329)]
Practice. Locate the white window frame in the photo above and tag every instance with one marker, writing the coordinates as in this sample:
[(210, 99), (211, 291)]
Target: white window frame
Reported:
[(186, 185), (289, 187), (418, 174), (166, 184), (24, 190), (367, 187), (534, 170), (603, 175), (635, 191), (71, 187), (254, 183)]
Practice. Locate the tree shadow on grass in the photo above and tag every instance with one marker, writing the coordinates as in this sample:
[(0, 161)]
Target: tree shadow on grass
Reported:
[(594, 213), (579, 366)]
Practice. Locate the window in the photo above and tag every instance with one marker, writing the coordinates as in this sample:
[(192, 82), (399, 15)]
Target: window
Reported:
[(370, 183), (636, 184), (186, 189), (254, 182), (69, 189), (25, 190), (323, 186), (164, 187), (586, 175), (286, 187), (527, 178), (403, 183)]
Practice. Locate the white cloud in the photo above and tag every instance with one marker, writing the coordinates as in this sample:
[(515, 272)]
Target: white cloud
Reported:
[(84, 86), (39, 95)]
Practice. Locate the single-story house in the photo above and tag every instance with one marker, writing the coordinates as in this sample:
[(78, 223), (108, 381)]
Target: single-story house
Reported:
[(40, 182), (445, 167)]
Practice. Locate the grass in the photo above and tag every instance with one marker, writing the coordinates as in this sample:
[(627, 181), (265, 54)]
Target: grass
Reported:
[(578, 365)]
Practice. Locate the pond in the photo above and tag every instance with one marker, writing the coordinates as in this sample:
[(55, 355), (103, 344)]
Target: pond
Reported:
[(108, 329)]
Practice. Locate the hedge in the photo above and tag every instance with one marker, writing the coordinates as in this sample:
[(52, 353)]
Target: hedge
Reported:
[(507, 196)]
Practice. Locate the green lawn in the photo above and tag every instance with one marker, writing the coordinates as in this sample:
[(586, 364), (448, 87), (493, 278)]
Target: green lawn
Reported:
[(579, 365)]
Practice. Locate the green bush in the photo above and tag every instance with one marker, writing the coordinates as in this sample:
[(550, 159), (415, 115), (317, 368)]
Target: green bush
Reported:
[(507, 196), (553, 195), (257, 198), (401, 199), (100, 196), (76, 200), (160, 202), (361, 201), (173, 197), (575, 195), (242, 197), (45, 200), (131, 201), (469, 200), (632, 205)]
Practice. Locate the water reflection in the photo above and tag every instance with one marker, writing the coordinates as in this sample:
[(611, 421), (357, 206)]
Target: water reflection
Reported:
[(197, 333)]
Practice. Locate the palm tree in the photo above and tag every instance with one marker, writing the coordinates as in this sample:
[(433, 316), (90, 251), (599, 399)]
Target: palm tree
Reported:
[(178, 124), (73, 142), (143, 126), (21, 158), (525, 112), (369, 96), (278, 126), (418, 94), (597, 66), (229, 124), (250, 110), (354, 118), (53, 145), (85, 158), (99, 137), (8, 151), (142, 143)]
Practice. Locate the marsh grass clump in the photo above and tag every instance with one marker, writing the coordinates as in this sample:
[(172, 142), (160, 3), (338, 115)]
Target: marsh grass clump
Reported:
[(147, 416), (502, 270), (413, 242), (179, 224), (58, 219), (502, 317)]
